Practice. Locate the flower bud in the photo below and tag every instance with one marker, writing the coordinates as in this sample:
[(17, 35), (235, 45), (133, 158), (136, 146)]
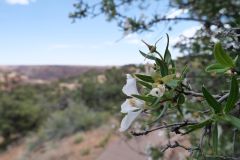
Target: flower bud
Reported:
[(158, 91)]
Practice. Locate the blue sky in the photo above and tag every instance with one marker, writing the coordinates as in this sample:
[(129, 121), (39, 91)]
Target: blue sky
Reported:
[(40, 32)]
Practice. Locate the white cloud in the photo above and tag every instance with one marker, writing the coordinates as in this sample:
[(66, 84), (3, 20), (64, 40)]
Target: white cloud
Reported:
[(176, 12), (189, 32), (20, 2), (132, 39), (135, 39)]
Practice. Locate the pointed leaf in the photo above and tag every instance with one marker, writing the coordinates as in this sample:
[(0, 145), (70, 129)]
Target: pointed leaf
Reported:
[(167, 54), (235, 60), (217, 68), (147, 85), (145, 78), (180, 110), (199, 125), (163, 67), (168, 78), (216, 106), (173, 64), (233, 95), (222, 57), (185, 69), (233, 120), (147, 55), (181, 99)]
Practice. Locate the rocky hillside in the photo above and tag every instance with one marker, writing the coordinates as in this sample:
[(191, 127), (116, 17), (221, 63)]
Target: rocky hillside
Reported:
[(50, 72)]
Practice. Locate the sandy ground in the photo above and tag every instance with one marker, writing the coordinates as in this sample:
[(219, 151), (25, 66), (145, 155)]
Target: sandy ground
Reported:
[(98, 144)]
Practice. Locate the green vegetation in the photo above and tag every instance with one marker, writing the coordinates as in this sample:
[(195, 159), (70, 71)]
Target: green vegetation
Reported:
[(50, 112), (78, 139), (219, 20), (73, 119), (172, 103), (85, 151)]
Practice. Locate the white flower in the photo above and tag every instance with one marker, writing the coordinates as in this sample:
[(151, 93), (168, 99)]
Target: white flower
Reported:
[(158, 91), (132, 106)]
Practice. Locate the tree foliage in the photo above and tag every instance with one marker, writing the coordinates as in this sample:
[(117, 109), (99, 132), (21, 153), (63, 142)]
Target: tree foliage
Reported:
[(218, 19)]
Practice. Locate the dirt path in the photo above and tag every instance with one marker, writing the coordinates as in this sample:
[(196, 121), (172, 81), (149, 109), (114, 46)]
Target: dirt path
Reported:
[(135, 149), (95, 146)]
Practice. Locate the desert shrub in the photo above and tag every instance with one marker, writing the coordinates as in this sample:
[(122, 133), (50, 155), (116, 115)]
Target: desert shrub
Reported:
[(78, 139), (104, 96), (17, 117), (66, 122)]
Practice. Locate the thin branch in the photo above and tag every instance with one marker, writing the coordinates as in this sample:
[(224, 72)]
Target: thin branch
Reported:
[(176, 125), (157, 20), (223, 98), (176, 144)]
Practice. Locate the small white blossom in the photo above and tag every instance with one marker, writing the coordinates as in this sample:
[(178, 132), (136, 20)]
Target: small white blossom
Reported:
[(158, 91), (132, 106)]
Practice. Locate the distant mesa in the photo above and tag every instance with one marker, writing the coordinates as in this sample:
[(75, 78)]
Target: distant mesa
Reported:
[(11, 76), (50, 72)]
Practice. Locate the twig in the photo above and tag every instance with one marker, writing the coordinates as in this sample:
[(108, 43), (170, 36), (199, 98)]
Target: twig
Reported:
[(177, 125), (176, 144), (223, 98)]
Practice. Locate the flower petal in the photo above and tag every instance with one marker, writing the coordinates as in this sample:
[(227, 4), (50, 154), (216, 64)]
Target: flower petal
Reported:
[(130, 87), (128, 120), (127, 107)]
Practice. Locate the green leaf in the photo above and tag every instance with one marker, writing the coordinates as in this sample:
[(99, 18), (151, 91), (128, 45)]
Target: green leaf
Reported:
[(167, 54), (173, 83), (184, 71), (168, 78), (145, 84), (181, 99), (222, 57), (147, 55), (167, 57), (217, 68), (199, 125), (233, 120), (216, 106), (179, 110), (145, 78), (235, 60), (215, 138), (151, 99), (173, 64), (233, 95), (163, 67)]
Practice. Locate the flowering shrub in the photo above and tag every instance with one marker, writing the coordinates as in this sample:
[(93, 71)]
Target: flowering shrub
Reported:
[(162, 99)]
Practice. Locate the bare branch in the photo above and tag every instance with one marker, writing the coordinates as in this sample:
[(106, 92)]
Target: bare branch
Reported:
[(176, 125), (176, 144)]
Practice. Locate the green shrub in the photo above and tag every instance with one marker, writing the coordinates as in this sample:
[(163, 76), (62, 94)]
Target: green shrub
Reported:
[(78, 139), (85, 151), (63, 123), (17, 117)]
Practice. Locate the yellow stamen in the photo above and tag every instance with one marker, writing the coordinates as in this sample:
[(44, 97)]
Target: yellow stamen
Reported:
[(132, 102)]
